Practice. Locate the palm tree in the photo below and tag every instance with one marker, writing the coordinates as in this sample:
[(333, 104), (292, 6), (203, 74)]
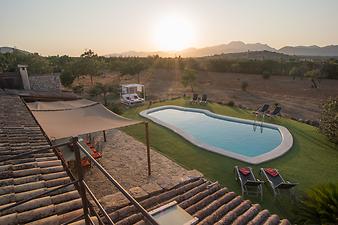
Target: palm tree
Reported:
[(319, 206)]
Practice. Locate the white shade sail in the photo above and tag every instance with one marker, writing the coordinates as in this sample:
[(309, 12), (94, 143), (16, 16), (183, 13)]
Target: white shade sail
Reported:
[(62, 119)]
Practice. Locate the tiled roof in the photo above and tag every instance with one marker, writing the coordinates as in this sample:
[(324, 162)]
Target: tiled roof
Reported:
[(33, 174), (207, 201)]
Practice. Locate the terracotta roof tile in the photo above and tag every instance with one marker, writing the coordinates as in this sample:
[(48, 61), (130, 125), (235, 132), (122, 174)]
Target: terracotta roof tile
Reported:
[(32, 174), (207, 201)]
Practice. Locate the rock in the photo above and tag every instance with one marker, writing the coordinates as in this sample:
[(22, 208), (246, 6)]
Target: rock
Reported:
[(152, 188), (113, 201), (138, 193)]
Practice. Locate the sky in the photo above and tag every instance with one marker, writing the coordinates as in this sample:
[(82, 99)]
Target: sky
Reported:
[(52, 27)]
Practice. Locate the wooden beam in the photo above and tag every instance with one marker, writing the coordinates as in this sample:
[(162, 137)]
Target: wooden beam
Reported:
[(82, 190), (148, 147), (104, 136)]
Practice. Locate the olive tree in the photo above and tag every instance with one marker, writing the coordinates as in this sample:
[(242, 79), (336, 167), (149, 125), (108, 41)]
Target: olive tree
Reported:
[(102, 89), (189, 78)]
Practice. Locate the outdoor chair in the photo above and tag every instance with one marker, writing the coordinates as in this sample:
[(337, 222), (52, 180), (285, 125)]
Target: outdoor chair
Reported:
[(194, 98), (276, 181), (262, 109), (275, 112), (204, 99), (249, 184)]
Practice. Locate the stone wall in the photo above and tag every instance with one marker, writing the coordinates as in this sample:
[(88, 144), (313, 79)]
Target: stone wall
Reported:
[(50, 82)]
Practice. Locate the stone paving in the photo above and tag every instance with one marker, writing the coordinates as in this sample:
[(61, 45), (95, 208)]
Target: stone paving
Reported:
[(126, 160)]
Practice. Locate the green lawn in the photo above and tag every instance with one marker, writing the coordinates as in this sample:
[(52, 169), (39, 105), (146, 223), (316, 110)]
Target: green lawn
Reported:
[(312, 159)]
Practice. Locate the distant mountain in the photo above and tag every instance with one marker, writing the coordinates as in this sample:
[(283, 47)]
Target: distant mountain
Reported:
[(232, 47), (253, 55), (330, 50), (238, 47)]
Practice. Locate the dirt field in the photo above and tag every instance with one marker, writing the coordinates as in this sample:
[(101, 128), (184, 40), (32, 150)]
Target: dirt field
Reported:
[(296, 97)]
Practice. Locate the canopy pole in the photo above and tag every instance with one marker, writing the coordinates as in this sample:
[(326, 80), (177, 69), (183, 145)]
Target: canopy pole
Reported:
[(148, 147), (104, 136)]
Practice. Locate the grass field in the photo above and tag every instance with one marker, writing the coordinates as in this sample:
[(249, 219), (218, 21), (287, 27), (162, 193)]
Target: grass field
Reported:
[(312, 159)]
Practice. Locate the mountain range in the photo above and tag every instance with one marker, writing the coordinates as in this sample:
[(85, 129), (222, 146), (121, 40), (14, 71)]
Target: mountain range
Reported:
[(237, 47), (232, 47)]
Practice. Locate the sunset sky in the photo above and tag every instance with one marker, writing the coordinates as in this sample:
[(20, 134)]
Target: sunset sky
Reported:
[(53, 27)]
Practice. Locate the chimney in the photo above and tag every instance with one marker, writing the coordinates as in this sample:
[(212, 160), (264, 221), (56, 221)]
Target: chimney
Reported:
[(24, 76)]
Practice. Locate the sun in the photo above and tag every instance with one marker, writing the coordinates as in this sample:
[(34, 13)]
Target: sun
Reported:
[(173, 33)]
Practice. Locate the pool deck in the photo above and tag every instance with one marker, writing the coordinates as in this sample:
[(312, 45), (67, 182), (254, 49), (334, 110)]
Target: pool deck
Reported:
[(285, 146)]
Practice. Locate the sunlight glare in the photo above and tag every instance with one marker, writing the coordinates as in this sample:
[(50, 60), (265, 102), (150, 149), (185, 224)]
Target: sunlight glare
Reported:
[(173, 33)]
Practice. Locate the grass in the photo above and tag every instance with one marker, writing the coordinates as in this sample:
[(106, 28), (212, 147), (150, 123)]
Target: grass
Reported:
[(312, 159)]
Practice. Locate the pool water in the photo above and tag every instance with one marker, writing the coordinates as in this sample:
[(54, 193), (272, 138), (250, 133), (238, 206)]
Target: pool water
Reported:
[(237, 137)]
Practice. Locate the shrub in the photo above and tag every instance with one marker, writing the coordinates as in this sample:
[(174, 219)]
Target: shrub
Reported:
[(329, 119), (78, 89), (231, 103), (67, 78), (318, 206), (116, 108), (244, 85)]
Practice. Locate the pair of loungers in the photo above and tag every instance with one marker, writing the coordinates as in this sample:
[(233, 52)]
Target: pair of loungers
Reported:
[(264, 109), (131, 99), (250, 185), (196, 99)]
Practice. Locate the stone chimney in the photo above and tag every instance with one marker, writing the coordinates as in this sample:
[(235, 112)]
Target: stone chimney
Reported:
[(24, 76)]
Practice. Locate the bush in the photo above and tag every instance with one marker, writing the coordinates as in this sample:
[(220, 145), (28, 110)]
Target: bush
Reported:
[(244, 85), (78, 89), (67, 78), (116, 108), (231, 103), (319, 206), (329, 119)]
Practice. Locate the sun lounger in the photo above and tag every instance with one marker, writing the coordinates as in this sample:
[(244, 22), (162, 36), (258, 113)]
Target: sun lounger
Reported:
[(204, 99), (276, 181), (131, 99), (275, 112), (136, 98), (194, 98), (262, 109), (249, 184)]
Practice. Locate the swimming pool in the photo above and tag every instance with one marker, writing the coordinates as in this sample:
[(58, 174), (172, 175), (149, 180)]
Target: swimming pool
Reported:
[(245, 140)]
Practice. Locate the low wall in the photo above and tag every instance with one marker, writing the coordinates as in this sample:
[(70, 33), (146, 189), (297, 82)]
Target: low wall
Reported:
[(50, 82)]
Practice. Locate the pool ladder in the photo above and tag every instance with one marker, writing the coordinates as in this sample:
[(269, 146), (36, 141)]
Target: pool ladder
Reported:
[(259, 123)]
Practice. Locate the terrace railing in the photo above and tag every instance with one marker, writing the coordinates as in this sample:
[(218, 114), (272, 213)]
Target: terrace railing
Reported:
[(82, 187)]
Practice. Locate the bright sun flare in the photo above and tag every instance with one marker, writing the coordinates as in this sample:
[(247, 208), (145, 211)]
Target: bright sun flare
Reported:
[(173, 33)]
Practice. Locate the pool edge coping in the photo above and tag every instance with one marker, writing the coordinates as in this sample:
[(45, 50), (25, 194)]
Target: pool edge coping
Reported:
[(285, 145)]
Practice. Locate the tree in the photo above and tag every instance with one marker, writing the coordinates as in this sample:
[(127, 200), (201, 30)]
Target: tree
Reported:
[(329, 119), (88, 64), (319, 206), (133, 67), (314, 76), (295, 72), (102, 89), (67, 78), (188, 78)]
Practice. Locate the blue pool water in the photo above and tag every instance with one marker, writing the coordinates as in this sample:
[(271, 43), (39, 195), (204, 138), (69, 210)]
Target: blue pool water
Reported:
[(232, 136)]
